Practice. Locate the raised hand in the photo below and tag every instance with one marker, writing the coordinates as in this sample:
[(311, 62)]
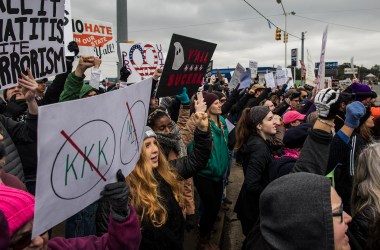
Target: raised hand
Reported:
[(324, 100), (201, 121), (28, 85)]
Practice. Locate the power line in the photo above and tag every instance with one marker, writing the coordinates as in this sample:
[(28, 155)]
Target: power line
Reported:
[(337, 24), (200, 24), (338, 11), (269, 21)]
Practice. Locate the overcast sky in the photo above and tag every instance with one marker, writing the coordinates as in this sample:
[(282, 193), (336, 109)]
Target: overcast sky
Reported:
[(242, 35)]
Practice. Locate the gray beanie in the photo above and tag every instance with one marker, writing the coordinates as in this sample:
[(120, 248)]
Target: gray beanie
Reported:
[(258, 113), (148, 132), (296, 213)]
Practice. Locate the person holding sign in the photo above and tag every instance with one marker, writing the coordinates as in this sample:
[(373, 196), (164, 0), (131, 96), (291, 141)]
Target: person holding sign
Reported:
[(124, 233)]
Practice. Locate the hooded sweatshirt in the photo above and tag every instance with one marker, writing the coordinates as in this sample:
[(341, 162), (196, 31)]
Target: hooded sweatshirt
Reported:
[(295, 213)]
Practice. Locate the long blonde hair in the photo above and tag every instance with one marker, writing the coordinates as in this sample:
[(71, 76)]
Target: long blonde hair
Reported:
[(366, 190), (145, 197)]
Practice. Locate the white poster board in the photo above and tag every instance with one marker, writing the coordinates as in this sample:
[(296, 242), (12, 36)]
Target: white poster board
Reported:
[(322, 70), (253, 68), (108, 129), (289, 74), (141, 59), (95, 38), (352, 67), (235, 80), (281, 77), (269, 79), (310, 74), (68, 27), (31, 38)]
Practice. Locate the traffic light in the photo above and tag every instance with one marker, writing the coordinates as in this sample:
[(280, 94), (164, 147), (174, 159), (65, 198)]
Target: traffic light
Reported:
[(285, 37), (278, 34)]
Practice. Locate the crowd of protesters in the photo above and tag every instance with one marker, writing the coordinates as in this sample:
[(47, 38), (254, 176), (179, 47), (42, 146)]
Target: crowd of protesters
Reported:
[(309, 157)]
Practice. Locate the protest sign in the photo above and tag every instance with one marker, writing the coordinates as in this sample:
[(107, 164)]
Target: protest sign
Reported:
[(236, 76), (185, 65), (352, 67), (31, 36), (321, 70), (141, 59), (269, 79), (81, 145), (289, 74), (68, 27), (245, 79), (310, 74), (95, 38), (281, 77), (253, 68)]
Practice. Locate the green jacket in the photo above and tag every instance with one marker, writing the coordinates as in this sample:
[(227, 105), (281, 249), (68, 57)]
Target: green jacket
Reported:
[(217, 164), (74, 88)]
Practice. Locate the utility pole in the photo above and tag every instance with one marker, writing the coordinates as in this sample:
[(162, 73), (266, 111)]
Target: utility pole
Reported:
[(122, 29), (302, 55)]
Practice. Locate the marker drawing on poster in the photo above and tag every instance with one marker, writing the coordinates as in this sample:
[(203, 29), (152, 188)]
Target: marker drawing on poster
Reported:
[(95, 38), (68, 27), (31, 37), (281, 77), (269, 79), (310, 74), (141, 60), (81, 145)]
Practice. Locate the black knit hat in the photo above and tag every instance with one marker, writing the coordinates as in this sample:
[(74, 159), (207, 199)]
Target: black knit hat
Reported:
[(257, 114), (365, 116), (209, 98), (296, 136)]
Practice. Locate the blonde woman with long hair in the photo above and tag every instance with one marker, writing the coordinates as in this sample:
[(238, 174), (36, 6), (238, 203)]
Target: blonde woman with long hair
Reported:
[(366, 198), (155, 188)]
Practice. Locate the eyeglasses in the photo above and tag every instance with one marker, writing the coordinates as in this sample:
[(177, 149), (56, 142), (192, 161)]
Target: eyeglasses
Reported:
[(339, 213)]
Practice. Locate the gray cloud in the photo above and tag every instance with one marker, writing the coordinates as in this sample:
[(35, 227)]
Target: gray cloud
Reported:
[(242, 35)]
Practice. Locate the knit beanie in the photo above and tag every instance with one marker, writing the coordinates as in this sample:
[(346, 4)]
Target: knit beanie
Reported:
[(295, 212), (257, 114), (296, 136), (148, 133), (209, 98), (362, 91), (17, 206)]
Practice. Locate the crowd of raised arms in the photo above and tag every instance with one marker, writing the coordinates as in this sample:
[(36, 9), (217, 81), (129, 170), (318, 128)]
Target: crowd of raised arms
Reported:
[(309, 157)]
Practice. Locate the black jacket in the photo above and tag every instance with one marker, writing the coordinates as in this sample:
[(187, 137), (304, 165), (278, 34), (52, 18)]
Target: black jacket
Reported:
[(280, 167), (360, 226), (186, 166), (256, 157)]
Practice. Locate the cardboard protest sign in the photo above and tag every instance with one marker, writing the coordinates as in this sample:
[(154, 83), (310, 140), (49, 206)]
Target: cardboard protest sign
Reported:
[(141, 59), (288, 75), (68, 27), (352, 66), (95, 38), (269, 79), (322, 70), (310, 74), (253, 68), (31, 36), (185, 66), (236, 76), (245, 79), (81, 145), (281, 77)]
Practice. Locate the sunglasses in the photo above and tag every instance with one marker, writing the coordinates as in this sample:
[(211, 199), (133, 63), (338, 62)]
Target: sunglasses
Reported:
[(339, 213)]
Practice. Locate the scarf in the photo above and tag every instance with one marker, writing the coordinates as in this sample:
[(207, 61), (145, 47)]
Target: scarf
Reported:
[(172, 141), (290, 153)]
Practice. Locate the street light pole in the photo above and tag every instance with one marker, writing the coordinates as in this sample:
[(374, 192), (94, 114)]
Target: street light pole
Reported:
[(122, 29), (286, 32)]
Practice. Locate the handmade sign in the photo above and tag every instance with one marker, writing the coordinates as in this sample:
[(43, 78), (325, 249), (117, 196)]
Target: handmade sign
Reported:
[(253, 68), (245, 79), (68, 27), (310, 74), (81, 145), (141, 59), (31, 36), (289, 74), (235, 80), (185, 65), (269, 79), (95, 38), (322, 70), (281, 77)]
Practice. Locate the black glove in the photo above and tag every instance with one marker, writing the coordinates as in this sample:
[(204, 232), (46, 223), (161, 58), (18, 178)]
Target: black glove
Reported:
[(73, 47), (117, 194), (15, 108), (124, 74), (326, 103)]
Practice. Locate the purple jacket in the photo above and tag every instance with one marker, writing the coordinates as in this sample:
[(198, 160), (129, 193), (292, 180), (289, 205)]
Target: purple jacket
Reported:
[(121, 236)]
